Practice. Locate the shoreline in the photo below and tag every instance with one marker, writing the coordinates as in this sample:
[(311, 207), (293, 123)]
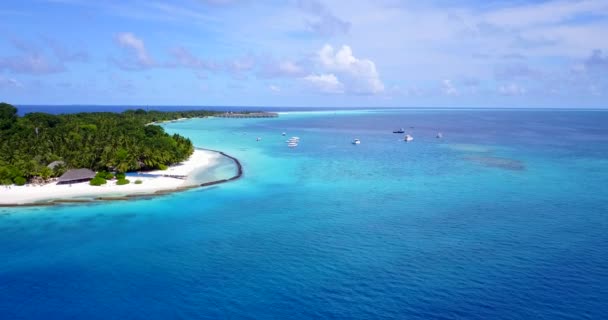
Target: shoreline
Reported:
[(157, 123), (53, 194)]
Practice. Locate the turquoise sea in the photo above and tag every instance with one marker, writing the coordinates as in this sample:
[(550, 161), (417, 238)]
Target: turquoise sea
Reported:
[(505, 217)]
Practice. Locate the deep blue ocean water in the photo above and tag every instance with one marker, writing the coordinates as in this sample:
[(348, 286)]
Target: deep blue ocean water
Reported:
[(505, 217)]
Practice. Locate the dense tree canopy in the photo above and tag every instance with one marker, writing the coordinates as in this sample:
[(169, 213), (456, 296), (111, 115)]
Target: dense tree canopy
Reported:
[(99, 141), (8, 116)]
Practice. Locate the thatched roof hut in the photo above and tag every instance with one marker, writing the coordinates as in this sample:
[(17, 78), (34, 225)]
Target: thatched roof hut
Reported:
[(76, 176)]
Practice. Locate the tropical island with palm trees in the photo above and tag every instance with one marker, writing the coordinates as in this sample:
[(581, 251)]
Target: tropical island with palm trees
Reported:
[(45, 156)]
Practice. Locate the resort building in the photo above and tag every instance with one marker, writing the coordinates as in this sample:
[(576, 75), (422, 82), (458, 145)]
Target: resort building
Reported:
[(76, 176)]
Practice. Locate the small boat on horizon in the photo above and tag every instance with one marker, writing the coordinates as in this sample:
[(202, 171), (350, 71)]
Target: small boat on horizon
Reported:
[(284, 133), (356, 141), (258, 139), (408, 138), (400, 130), (439, 135)]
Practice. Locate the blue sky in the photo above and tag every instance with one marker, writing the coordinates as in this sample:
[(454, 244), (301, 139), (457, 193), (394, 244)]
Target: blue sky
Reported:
[(376, 53)]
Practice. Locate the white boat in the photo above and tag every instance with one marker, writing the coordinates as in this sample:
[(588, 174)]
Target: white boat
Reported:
[(408, 138), (292, 144), (356, 141), (258, 139), (439, 135), (284, 133), (297, 138)]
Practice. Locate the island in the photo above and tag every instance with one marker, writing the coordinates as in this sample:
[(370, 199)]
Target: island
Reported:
[(102, 155)]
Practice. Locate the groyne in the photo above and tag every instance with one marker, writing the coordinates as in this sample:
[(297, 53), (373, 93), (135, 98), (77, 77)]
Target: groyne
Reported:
[(239, 168)]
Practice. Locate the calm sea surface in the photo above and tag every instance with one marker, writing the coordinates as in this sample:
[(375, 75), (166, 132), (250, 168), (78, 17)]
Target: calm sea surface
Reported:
[(505, 217)]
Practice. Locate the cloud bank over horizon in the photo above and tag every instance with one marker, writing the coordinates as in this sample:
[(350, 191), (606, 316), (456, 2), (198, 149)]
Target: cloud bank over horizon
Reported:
[(364, 53)]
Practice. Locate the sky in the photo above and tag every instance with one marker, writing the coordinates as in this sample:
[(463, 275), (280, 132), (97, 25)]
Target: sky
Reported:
[(358, 53)]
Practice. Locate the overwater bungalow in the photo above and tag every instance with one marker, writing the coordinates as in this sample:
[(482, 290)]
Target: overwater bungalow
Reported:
[(248, 115)]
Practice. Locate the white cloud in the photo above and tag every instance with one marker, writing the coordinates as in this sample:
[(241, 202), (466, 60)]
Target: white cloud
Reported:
[(511, 89), (274, 88), (326, 83), (136, 47), (241, 64), (413, 43), (184, 58), (30, 63), (324, 22), (549, 12), (289, 68), (516, 71), (219, 2), (63, 54), (448, 88), (9, 83), (359, 75), (35, 60), (284, 68)]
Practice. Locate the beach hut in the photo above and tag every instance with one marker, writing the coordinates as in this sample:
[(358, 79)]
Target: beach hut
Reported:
[(76, 176)]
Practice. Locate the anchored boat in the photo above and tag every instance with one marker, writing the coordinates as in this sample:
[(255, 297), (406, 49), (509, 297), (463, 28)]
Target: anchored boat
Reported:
[(293, 142)]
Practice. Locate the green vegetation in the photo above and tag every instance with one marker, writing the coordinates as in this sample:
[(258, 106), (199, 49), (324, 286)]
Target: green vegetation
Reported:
[(120, 176), (19, 181), (105, 175), (123, 181), (138, 181), (99, 141), (97, 181), (8, 174)]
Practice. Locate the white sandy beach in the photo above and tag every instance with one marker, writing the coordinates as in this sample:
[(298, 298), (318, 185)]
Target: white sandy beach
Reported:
[(200, 160), (167, 121)]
